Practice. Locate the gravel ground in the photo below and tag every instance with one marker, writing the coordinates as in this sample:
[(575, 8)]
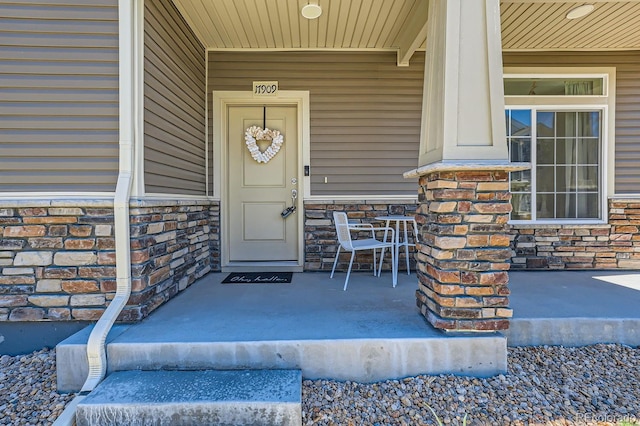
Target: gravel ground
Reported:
[(593, 385), (28, 389)]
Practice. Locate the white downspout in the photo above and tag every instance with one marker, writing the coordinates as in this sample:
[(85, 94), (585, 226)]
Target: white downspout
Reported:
[(96, 351)]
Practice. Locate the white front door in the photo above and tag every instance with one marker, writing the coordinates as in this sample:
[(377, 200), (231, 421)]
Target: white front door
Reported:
[(259, 192)]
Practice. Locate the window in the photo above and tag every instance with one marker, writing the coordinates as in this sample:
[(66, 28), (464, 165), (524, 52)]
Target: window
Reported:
[(549, 86), (562, 136), (564, 148)]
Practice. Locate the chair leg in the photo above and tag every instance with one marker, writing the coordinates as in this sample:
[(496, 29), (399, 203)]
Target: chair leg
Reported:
[(374, 262), (335, 262), (346, 281), (382, 249), (406, 248), (394, 266)]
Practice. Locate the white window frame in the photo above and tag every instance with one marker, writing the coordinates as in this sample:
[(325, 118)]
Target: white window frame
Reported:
[(604, 103)]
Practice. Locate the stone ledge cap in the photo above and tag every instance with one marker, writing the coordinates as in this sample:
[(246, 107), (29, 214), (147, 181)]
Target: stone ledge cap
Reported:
[(624, 199), (599, 225), (170, 202), (96, 202), (458, 166), (406, 200)]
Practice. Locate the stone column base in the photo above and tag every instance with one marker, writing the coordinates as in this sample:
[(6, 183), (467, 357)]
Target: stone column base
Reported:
[(464, 253)]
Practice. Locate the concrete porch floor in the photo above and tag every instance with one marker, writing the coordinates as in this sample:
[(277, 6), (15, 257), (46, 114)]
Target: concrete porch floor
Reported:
[(370, 332), (574, 308)]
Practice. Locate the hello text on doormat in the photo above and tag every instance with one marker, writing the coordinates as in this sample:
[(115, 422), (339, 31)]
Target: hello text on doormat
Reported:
[(258, 278)]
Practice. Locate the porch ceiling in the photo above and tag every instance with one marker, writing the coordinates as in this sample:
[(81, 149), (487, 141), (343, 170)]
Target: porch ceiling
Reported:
[(528, 25), (400, 25)]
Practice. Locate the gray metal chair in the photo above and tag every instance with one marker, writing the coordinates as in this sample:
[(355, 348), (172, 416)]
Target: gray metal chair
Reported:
[(343, 230)]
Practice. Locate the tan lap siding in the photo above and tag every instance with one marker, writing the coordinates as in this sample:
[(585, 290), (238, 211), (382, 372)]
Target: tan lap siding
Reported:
[(174, 103), (628, 128), (58, 95), (627, 176), (365, 113)]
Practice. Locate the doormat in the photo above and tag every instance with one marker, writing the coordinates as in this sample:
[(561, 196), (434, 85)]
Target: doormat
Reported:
[(258, 278)]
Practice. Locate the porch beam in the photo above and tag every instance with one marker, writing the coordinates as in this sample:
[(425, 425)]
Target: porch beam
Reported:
[(414, 33)]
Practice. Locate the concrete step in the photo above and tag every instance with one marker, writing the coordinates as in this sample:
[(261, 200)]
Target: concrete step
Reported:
[(357, 359), (207, 397)]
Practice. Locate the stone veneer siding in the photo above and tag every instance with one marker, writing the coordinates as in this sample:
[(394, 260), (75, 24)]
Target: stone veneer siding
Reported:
[(607, 246), (321, 241), (57, 258), (170, 249), (463, 257), (214, 236)]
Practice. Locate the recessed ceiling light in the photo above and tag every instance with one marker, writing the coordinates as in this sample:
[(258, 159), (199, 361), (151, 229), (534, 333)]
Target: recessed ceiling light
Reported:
[(580, 11), (311, 11)]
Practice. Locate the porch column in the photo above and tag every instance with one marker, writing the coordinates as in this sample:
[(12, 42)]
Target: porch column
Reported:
[(464, 199)]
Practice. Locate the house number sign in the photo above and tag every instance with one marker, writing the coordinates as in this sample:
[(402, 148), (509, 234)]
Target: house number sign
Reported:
[(265, 88)]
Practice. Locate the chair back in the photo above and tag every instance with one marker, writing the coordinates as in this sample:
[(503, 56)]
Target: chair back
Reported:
[(342, 230)]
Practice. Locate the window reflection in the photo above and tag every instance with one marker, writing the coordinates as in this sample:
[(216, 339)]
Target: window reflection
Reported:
[(566, 157), (550, 86)]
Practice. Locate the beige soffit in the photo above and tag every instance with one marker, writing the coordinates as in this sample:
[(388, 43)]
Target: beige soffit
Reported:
[(397, 25), (400, 25), (542, 25)]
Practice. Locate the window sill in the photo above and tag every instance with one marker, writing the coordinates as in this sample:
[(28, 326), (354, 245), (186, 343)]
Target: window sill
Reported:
[(599, 224)]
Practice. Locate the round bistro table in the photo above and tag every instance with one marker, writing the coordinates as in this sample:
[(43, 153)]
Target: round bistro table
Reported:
[(404, 220)]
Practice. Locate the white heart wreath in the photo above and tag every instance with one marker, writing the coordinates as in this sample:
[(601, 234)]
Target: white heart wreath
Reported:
[(255, 133)]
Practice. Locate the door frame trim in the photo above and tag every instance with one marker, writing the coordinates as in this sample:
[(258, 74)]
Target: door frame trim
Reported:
[(222, 99)]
